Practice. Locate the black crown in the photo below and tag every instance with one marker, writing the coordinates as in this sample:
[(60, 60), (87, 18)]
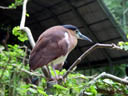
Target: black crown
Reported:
[(72, 27)]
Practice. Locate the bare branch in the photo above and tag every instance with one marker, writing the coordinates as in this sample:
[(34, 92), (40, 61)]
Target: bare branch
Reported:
[(3, 7), (31, 73), (26, 29), (29, 34), (24, 58), (104, 75), (91, 49), (22, 24), (28, 72), (109, 76)]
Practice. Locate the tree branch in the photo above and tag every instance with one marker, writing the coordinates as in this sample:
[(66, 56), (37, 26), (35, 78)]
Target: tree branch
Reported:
[(3, 7), (31, 73), (105, 75), (91, 49), (109, 76), (22, 24), (23, 18), (28, 72), (27, 30)]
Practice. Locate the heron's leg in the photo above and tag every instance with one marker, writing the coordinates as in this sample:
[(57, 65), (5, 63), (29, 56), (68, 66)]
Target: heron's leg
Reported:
[(46, 71), (49, 72), (56, 76), (59, 66)]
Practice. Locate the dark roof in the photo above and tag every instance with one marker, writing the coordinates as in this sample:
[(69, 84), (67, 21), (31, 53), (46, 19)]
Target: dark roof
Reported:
[(90, 16)]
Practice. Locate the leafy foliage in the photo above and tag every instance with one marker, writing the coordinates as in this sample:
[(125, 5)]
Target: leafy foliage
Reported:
[(115, 7), (9, 73), (22, 36), (16, 3), (123, 45), (13, 84), (119, 10)]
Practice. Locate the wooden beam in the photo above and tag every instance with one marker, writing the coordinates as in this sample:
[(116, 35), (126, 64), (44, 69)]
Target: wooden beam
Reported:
[(88, 30)]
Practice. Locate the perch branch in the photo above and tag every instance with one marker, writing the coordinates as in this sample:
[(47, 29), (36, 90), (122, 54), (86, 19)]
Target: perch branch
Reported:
[(91, 49)]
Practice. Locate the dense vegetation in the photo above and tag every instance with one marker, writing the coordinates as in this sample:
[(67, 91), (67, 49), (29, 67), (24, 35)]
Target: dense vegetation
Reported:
[(15, 75)]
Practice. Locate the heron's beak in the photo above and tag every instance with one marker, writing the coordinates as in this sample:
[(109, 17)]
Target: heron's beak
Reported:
[(83, 37)]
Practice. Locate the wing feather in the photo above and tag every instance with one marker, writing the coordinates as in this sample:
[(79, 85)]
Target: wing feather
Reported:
[(48, 47)]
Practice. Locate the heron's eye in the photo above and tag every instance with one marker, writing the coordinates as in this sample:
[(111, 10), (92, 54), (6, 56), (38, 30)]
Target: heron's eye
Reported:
[(77, 31)]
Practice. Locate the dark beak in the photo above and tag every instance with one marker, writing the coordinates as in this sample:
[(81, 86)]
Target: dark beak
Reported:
[(83, 37)]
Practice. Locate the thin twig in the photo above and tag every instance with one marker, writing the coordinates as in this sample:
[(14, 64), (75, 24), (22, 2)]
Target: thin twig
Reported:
[(3, 7), (91, 49), (31, 73), (28, 72), (24, 59)]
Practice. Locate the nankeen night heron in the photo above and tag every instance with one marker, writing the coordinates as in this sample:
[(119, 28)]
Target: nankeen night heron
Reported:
[(54, 45)]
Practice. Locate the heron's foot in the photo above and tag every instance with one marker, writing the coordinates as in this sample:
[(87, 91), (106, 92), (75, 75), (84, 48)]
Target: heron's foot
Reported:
[(57, 78), (51, 79)]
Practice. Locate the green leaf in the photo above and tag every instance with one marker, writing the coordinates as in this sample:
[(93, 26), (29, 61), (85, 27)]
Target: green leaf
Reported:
[(93, 90), (125, 47), (22, 36), (16, 3), (32, 90), (127, 35), (25, 86), (43, 80), (59, 87), (120, 43), (108, 81), (42, 92), (27, 15)]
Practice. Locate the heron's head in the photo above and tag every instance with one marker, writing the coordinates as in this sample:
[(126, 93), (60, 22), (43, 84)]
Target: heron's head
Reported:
[(78, 34)]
